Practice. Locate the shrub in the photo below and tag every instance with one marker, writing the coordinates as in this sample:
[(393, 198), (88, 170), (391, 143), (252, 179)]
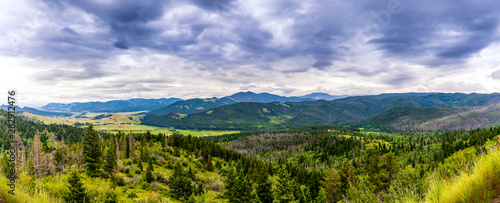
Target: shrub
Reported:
[(132, 195)]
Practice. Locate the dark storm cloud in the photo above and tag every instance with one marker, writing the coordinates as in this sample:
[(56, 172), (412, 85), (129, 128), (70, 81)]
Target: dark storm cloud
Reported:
[(54, 76), (496, 75), (399, 80), (214, 5), (448, 32)]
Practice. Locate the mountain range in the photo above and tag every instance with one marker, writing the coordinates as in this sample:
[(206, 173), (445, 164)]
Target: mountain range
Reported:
[(167, 105), (36, 111), (191, 106), (111, 106), (248, 115)]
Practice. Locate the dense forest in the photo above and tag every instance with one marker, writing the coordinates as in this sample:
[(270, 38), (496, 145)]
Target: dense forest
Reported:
[(412, 112), (299, 164)]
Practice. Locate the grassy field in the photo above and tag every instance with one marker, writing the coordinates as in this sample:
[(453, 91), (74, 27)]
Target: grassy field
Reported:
[(114, 122)]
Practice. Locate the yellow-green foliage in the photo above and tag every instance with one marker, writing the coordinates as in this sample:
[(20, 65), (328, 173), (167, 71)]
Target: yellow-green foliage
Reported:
[(481, 185), (26, 192), (461, 161)]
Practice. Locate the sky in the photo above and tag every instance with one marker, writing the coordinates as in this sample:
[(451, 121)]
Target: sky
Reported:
[(77, 51)]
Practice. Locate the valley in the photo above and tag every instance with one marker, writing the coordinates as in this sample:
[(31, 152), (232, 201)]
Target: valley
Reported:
[(411, 147)]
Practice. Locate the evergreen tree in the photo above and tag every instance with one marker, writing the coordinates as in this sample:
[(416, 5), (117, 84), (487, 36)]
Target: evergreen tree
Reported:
[(199, 189), (180, 185), (346, 176), (92, 152), (58, 158), (321, 198), (127, 148), (240, 189), (139, 165), (76, 191), (190, 174), (283, 192), (192, 199), (149, 173), (297, 192), (373, 168), (389, 167), (264, 191), (144, 152), (4, 164), (332, 186), (150, 164), (209, 166), (111, 163), (307, 195)]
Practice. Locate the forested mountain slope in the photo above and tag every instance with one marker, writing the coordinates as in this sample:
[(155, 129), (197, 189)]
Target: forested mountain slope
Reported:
[(191, 106), (303, 164), (253, 115), (112, 106)]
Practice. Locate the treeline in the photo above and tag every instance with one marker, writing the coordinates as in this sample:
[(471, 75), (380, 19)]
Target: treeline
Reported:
[(313, 130), (27, 130)]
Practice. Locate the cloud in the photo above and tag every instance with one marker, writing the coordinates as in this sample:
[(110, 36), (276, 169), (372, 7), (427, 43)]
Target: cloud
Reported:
[(56, 75), (496, 75), (448, 33), (214, 5), (216, 46)]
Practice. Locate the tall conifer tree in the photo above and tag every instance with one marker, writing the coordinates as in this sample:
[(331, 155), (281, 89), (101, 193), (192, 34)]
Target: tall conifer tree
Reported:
[(92, 151)]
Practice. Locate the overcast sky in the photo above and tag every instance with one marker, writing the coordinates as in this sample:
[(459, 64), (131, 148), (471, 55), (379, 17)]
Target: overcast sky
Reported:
[(74, 50)]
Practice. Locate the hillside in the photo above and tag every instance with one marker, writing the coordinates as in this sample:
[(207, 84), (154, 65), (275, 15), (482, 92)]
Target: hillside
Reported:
[(191, 106), (244, 115), (38, 112), (323, 96), (111, 106), (427, 119), (402, 117), (307, 164), (267, 98), (316, 112)]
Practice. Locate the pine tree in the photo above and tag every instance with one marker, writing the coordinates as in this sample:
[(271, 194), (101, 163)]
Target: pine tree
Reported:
[(192, 199), (307, 195), (332, 186), (200, 190), (149, 173), (240, 189), (144, 151), (389, 167), (297, 192), (209, 166), (76, 191), (150, 164), (283, 192), (111, 163), (4, 164), (373, 169), (180, 185), (58, 159), (321, 198), (127, 148), (346, 176), (139, 165), (131, 144), (92, 152), (264, 191)]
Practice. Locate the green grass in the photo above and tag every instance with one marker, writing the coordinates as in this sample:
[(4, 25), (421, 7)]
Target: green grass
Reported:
[(482, 185), (123, 121)]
